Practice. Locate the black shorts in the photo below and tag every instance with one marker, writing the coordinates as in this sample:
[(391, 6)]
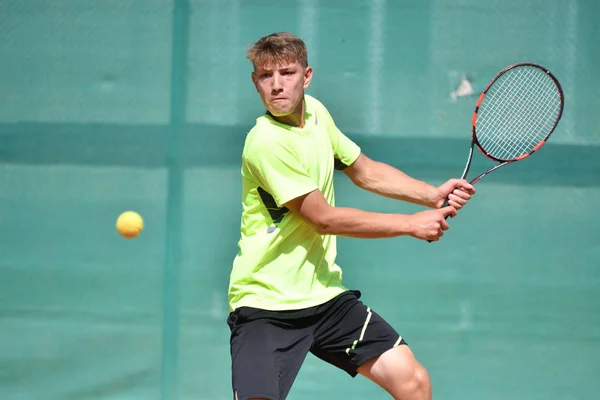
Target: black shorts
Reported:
[(269, 347)]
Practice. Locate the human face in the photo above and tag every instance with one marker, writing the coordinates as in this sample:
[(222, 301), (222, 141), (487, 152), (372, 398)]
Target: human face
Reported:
[(281, 88)]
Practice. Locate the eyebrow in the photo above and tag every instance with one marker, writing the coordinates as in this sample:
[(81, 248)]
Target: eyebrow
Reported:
[(271, 69)]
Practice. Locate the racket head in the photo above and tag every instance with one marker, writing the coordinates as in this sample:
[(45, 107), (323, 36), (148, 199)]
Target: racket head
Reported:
[(517, 112)]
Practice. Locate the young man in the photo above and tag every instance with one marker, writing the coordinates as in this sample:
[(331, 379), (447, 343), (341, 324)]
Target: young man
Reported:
[(286, 294)]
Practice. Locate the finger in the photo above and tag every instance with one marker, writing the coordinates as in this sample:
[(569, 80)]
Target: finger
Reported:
[(466, 186), (433, 238), (457, 199), (444, 225), (461, 194), (448, 211), (436, 236), (456, 206)]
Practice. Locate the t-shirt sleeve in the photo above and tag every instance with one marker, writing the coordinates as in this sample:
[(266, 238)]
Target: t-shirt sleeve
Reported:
[(345, 151), (277, 168)]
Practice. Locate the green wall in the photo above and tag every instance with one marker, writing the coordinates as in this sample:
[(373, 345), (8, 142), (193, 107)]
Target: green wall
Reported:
[(143, 105)]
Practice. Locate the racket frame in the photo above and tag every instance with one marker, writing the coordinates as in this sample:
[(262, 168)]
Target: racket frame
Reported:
[(475, 141)]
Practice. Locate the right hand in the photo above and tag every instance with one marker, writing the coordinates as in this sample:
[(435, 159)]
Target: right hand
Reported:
[(431, 224)]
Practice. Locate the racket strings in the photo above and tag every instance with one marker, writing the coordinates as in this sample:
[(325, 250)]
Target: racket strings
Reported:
[(519, 100), (527, 93), (517, 113), (543, 114), (503, 143)]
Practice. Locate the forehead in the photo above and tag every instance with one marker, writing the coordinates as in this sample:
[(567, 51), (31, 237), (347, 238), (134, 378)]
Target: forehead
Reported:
[(272, 65)]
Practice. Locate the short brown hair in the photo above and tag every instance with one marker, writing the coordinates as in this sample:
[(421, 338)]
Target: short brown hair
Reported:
[(277, 48)]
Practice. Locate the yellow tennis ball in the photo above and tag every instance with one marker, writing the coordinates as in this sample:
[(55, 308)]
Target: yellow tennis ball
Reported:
[(130, 224)]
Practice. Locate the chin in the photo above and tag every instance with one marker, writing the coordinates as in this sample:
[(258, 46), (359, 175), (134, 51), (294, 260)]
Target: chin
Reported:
[(279, 112)]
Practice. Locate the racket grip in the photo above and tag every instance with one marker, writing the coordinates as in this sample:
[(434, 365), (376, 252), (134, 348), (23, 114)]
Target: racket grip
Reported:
[(443, 205)]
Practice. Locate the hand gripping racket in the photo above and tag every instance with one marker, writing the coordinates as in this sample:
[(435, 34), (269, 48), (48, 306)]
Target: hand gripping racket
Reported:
[(515, 115)]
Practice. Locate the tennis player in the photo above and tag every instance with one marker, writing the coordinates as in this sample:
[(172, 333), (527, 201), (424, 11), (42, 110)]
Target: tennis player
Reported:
[(286, 294)]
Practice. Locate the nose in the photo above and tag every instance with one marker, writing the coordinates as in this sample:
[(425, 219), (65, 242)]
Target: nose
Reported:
[(276, 84)]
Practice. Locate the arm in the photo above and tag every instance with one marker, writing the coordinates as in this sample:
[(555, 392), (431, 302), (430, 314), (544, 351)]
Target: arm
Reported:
[(277, 168), (352, 222), (387, 181)]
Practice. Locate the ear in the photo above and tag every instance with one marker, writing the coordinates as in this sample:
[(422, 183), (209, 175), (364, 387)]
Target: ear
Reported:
[(254, 80), (308, 72)]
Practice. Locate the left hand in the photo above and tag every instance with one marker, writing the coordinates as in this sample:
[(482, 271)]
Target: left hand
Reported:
[(457, 191)]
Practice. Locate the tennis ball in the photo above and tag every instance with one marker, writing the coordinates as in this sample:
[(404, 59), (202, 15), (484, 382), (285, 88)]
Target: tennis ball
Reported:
[(130, 224)]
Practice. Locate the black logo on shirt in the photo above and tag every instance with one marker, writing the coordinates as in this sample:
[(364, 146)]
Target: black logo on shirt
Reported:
[(276, 213)]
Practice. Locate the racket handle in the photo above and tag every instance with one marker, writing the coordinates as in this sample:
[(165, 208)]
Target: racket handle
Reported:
[(443, 205)]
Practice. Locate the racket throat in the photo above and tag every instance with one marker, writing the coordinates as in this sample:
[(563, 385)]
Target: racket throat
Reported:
[(468, 166), (480, 176)]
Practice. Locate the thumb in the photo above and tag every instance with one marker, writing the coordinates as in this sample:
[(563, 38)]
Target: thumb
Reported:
[(448, 211)]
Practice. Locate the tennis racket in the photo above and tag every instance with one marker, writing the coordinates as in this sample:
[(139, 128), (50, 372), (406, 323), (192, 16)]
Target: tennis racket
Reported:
[(515, 115)]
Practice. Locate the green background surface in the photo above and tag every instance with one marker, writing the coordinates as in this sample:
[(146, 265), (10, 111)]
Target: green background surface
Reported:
[(144, 105)]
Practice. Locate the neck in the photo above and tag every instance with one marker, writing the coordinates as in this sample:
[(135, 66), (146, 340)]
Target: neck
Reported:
[(295, 118)]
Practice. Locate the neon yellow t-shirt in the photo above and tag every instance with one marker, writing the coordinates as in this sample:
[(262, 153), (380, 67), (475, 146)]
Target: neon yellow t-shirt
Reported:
[(283, 263)]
